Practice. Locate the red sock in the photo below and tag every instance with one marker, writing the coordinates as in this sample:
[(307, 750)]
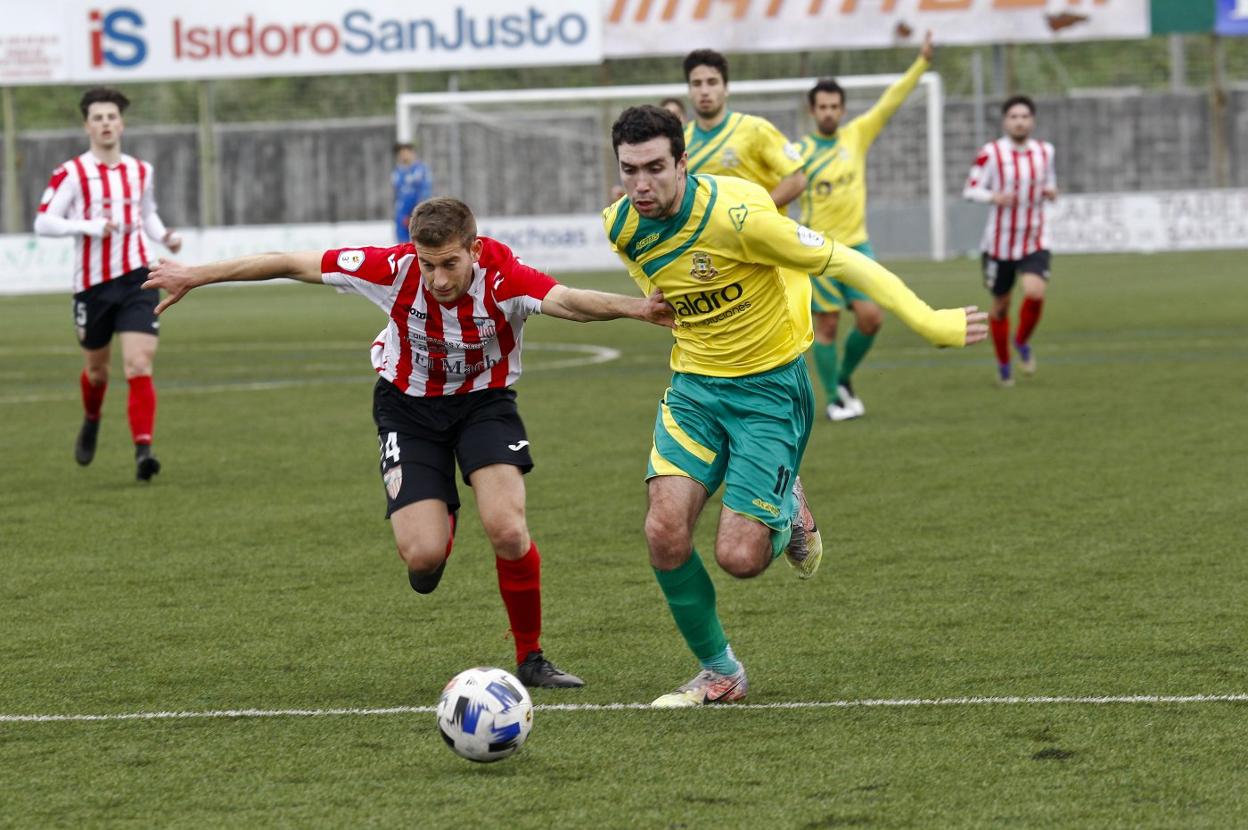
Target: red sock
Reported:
[(142, 409), (450, 542), (1000, 338), (1028, 316), (520, 584), (92, 397)]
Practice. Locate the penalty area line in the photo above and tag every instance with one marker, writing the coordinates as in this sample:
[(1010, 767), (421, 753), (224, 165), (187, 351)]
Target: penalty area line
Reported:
[(1096, 700)]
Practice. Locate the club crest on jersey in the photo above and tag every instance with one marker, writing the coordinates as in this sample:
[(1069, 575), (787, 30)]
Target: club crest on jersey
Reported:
[(729, 158), (350, 260), (737, 215), (702, 268), (394, 480), (809, 238)]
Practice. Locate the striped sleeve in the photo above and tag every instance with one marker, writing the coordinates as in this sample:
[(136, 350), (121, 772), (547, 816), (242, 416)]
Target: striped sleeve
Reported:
[(344, 267)]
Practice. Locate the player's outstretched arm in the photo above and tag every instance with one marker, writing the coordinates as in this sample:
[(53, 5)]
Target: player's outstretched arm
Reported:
[(585, 306), (177, 279), (789, 188), (944, 327)]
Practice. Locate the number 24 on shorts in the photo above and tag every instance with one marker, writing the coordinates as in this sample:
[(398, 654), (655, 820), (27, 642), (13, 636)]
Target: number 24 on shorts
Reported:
[(389, 447)]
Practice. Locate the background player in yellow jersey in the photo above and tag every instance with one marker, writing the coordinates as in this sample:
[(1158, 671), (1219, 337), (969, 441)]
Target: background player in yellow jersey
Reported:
[(835, 202), (740, 406)]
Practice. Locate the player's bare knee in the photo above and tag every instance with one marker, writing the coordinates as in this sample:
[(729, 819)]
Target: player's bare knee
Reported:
[(510, 540), (421, 558), (97, 375), (742, 560), (825, 326), (870, 319), (669, 541)]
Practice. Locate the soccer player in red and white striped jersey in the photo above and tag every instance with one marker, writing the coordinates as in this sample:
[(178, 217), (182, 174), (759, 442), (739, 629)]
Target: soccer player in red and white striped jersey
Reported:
[(104, 199), (456, 305), (1015, 175)]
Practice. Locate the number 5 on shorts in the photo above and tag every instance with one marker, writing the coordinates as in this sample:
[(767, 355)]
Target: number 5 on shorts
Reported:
[(389, 447)]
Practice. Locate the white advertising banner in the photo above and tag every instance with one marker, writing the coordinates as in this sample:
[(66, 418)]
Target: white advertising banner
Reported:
[(1181, 220), (57, 41), (669, 27)]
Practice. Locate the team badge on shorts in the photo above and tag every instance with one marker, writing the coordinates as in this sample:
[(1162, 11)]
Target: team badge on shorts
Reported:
[(702, 268), (394, 481)]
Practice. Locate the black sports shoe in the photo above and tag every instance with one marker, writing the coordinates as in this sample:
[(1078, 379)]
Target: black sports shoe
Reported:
[(536, 672), (84, 446), (425, 583), (145, 464)]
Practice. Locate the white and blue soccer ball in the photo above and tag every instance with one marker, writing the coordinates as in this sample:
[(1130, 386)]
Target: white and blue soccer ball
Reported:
[(485, 714)]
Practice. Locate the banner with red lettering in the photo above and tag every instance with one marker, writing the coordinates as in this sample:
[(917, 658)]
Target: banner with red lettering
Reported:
[(669, 27)]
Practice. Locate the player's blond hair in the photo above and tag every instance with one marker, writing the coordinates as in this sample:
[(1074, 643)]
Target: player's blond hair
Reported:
[(437, 222)]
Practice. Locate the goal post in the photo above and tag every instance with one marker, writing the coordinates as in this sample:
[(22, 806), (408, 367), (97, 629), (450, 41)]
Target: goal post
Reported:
[(547, 151)]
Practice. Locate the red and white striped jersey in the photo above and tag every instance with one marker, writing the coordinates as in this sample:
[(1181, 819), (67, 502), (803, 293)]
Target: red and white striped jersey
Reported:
[(1003, 166), (430, 349), (83, 195)]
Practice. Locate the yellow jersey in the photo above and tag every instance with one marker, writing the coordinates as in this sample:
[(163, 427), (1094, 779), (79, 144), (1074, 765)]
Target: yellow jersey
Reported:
[(742, 145), (719, 263), (835, 198)]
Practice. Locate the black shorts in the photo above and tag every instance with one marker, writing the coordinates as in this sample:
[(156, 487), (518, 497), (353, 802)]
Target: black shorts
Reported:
[(1000, 274), (113, 306), (420, 440)]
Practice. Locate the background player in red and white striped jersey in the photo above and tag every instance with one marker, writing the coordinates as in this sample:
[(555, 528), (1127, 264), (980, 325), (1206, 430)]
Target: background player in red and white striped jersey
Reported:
[(104, 199), (1015, 175), (447, 359)]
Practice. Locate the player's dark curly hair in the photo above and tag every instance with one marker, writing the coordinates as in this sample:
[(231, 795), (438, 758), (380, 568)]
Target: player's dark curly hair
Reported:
[(706, 57), (103, 95), (825, 85), (440, 221), (1014, 100), (637, 125)]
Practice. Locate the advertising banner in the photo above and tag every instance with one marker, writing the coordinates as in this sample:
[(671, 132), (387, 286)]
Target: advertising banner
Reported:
[(64, 41), (669, 27), (1232, 18), (1179, 220)]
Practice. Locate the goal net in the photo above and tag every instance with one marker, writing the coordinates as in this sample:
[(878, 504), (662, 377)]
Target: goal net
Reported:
[(539, 152)]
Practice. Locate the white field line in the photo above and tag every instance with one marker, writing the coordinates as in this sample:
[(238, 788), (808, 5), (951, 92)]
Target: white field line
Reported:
[(1099, 700), (587, 355)]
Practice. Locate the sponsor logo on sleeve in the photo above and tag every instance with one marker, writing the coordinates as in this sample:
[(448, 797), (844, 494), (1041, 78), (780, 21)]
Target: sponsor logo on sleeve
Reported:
[(737, 215), (809, 238), (793, 152), (350, 260)]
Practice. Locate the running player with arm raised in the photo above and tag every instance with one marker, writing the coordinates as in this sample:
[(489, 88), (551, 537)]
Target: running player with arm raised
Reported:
[(447, 360), (740, 405), (835, 202), (106, 201)]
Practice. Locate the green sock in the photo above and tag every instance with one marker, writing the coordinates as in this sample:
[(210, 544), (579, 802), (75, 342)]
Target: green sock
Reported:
[(856, 347), (826, 364), (691, 597)]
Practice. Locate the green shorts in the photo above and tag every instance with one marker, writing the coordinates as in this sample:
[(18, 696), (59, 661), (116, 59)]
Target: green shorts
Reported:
[(830, 294), (747, 433)]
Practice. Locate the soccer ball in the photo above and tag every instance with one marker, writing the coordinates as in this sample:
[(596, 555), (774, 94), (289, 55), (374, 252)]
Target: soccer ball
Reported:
[(484, 714)]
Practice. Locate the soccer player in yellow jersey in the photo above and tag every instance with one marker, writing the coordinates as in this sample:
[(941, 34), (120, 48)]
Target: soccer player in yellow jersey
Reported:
[(835, 202), (740, 406)]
